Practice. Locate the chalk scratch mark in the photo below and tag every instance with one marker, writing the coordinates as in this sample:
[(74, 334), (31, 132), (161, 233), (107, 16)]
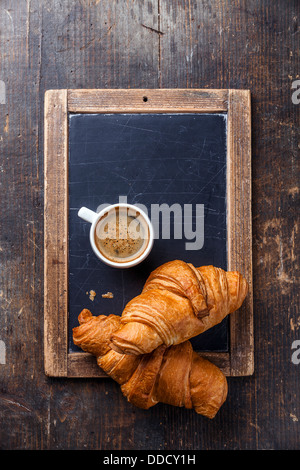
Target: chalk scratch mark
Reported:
[(152, 29)]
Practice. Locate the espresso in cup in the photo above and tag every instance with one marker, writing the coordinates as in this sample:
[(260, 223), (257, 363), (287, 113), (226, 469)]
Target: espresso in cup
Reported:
[(121, 235)]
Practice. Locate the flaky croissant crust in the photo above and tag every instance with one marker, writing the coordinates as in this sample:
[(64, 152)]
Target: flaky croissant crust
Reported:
[(178, 302), (174, 375)]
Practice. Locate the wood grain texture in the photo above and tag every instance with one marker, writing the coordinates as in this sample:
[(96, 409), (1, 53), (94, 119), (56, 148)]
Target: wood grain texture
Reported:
[(56, 233), (145, 101), (83, 365), (239, 234), (219, 44)]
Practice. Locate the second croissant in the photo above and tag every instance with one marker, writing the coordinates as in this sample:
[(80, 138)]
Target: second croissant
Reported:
[(176, 375)]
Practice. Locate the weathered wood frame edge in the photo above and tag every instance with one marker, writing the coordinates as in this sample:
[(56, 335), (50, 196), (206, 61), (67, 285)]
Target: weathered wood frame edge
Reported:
[(58, 362)]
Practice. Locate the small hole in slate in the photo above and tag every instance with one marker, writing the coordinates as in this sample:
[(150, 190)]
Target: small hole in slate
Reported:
[(145, 98)]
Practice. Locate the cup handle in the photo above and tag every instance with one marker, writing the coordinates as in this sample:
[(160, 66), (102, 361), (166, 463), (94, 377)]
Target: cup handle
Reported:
[(87, 215)]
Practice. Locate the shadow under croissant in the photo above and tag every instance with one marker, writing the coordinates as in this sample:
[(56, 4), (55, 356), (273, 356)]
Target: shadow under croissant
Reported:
[(175, 375)]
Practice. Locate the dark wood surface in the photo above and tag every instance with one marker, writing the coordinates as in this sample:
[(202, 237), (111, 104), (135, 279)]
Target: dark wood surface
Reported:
[(149, 44)]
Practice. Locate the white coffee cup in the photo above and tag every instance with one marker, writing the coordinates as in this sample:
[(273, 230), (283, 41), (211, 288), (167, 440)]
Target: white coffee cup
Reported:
[(94, 217)]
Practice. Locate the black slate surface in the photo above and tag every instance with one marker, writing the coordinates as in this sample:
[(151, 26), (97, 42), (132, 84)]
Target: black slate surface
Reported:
[(149, 159)]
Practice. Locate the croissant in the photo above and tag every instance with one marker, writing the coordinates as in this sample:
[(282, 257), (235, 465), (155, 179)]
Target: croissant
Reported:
[(178, 301), (174, 375)]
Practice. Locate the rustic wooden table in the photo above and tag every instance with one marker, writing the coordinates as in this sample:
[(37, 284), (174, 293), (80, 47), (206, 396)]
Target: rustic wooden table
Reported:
[(251, 44)]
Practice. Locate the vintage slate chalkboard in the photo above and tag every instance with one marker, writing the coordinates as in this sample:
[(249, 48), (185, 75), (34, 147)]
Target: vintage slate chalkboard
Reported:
[(185, 148), (149, 159)]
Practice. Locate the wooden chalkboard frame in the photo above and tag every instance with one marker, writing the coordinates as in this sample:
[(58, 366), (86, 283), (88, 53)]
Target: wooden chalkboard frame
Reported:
[(58, 362)]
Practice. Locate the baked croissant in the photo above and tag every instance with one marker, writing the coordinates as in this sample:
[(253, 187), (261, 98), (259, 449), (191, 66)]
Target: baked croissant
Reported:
[(178, 302), (174, 375)]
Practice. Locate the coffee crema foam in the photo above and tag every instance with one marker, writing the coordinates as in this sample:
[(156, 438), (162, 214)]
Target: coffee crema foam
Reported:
[(122, 235)]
